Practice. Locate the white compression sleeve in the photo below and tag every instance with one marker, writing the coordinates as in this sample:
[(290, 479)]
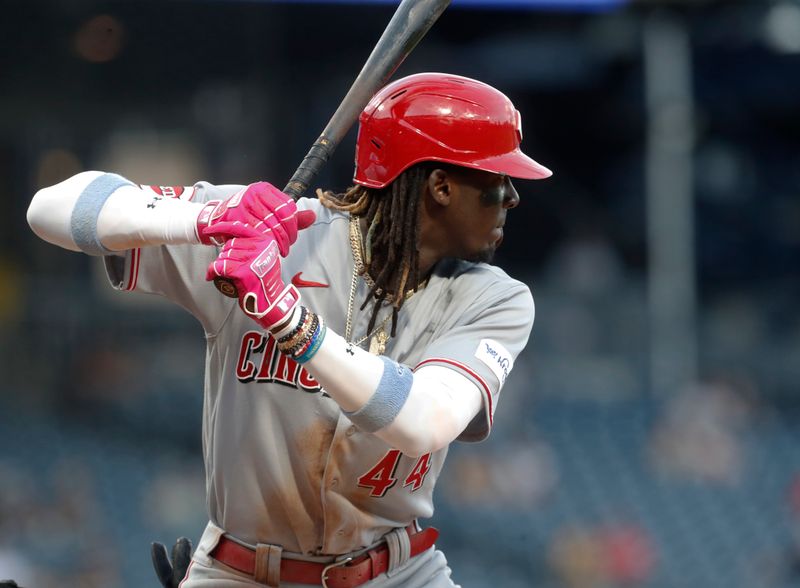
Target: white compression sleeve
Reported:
[(129, 219), (50, 211), (440, 404), (442, 400), (121, 221)]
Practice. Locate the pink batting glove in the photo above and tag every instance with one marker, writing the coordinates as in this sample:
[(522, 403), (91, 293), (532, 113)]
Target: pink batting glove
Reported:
[(260, 206), (253, 265)]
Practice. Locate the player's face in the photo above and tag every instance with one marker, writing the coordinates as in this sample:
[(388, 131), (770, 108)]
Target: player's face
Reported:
[(480, 202)]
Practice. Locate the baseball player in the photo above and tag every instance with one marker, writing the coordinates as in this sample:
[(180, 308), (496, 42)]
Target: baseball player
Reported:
[(369, 332)]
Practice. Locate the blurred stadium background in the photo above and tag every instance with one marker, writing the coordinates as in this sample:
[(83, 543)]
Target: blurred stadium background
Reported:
[(649, 434)]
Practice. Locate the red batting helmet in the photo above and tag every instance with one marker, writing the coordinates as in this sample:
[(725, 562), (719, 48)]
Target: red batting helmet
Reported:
[(440, 117)]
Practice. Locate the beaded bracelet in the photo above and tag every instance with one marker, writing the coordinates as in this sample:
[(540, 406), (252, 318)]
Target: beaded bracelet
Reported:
[(303, 341), (298, 334), (298, 327), (297, 346), (316, 342)]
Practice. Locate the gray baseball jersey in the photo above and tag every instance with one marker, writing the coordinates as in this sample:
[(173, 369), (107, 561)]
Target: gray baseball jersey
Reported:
[(284, 465)]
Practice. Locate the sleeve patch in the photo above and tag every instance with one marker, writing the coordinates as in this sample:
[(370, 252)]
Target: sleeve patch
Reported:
[(496, 357)]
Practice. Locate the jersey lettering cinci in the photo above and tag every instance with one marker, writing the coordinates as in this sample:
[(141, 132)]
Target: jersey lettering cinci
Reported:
[(272, 366)]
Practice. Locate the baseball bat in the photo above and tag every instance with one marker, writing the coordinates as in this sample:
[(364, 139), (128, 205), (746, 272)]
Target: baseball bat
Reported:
[(411, 21)]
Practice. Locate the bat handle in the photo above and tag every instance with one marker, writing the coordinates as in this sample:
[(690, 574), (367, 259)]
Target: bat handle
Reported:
[(317, 156)]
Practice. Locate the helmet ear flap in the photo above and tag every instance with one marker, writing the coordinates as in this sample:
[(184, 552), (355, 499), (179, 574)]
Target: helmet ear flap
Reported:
[(440, 117)]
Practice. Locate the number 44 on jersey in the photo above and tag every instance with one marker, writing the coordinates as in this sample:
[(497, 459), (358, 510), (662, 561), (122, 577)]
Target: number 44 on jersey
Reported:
[(383, 476)]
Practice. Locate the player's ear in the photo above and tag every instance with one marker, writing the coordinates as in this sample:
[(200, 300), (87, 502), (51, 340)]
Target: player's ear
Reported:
[(439, 186)]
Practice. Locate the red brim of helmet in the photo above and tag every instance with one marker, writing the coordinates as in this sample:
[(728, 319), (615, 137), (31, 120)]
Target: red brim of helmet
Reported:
[(515, 164)]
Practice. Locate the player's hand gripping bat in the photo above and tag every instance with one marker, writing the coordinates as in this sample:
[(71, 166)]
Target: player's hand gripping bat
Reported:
[(412, 20)]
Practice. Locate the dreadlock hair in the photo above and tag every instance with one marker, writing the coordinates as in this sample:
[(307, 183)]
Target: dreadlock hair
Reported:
[(390, 248)]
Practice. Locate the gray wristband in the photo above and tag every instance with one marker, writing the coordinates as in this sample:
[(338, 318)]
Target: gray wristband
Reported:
[(83, 223), (385, 404)]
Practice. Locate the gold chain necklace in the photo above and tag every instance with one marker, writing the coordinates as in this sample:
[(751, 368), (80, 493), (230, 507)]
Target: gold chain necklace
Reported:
[(377, 345)]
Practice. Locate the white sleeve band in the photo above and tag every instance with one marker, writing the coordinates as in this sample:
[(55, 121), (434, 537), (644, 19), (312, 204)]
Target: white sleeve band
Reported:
[(83, 223)]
